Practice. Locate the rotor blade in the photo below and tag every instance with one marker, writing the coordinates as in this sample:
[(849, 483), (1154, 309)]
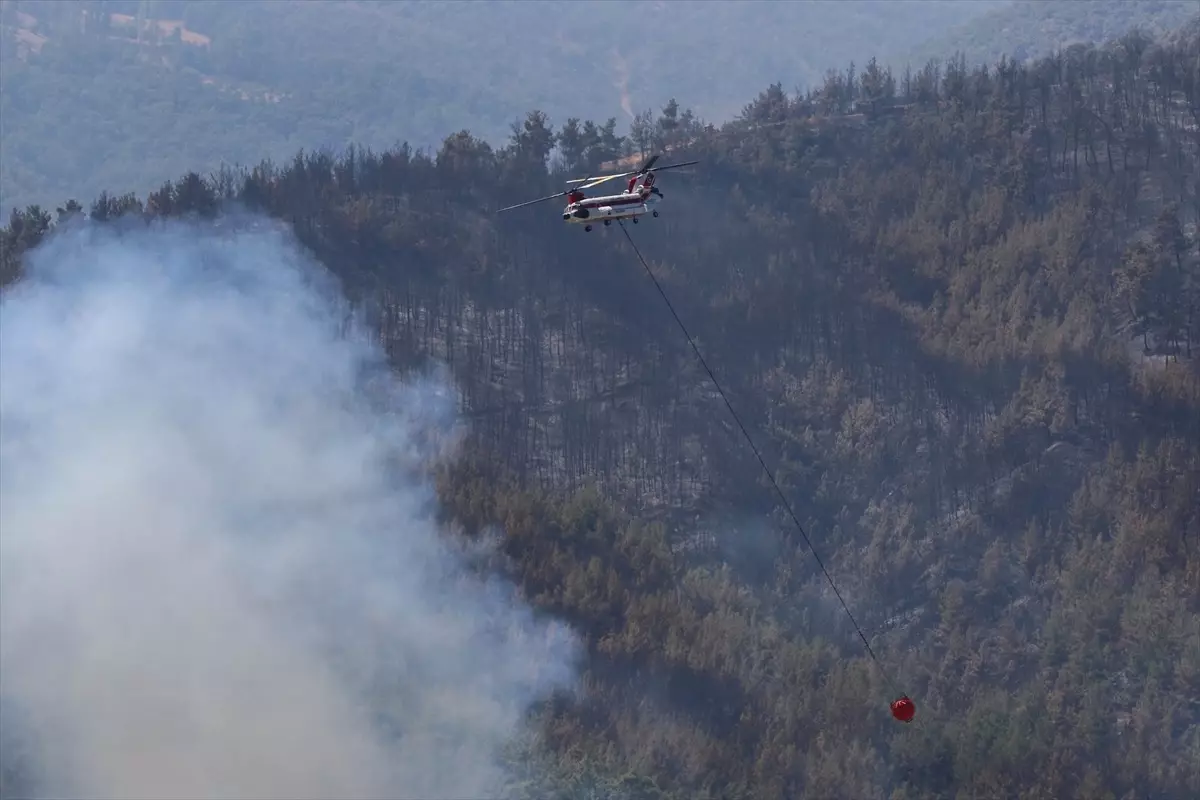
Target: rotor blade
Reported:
[(592, 180), (531, 202), (673, 166), (648, 163), (605, 179)]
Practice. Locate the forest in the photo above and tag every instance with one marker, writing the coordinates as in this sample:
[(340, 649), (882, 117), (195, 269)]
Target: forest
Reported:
[(958, 309)]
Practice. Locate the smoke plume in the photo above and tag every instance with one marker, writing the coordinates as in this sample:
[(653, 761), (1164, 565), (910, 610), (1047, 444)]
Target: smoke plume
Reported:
[(219, 575)]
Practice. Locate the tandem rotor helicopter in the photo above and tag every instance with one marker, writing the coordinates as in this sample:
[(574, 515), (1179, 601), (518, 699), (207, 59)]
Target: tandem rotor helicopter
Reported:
[(636, 200)]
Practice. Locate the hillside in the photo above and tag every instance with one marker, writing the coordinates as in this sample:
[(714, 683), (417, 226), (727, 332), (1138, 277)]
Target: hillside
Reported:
[(959, 313), (1032, 28), (244, 79)]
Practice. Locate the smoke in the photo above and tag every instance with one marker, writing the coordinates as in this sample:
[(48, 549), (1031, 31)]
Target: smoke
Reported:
[(622, 83), (219, 575)]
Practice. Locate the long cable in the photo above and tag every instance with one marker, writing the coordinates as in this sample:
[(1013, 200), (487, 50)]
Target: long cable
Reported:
[(758, 454)]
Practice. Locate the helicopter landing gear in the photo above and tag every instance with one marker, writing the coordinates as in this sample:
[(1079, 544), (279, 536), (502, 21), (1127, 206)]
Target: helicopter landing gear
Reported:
[(607, 222), (587, 228), (655, 212), (633, 220)]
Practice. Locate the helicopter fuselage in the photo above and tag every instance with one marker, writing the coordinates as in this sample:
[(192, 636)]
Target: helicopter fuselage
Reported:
[(627, 205)]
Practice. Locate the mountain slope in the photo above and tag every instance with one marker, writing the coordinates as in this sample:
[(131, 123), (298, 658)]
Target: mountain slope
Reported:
[(964, 333), (1032, 28)]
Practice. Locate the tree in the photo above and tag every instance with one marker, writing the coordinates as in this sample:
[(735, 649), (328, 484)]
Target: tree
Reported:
[(70, 210), (573, 144), (770, 106), (641, 133), (532, 141), (877, 85), (462, 154)]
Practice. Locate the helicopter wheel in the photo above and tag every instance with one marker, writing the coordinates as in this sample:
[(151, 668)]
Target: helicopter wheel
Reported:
[(634, 220), (607, 222), (587, 228), (655, 213)]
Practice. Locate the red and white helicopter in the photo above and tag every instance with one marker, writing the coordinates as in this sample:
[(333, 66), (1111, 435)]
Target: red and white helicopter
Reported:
[(636, 200)]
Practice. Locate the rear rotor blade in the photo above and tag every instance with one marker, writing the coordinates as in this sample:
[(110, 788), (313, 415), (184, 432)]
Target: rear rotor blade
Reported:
[(648, 164), (605, 179), (673, 166)]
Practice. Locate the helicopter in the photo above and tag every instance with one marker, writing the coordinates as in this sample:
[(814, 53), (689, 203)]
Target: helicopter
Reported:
[(636, 200)]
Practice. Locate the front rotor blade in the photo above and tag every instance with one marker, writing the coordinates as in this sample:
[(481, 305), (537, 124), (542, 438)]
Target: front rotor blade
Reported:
[(531, 202)]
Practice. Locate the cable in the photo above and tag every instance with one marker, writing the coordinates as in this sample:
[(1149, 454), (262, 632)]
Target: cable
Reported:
[(757, 454)]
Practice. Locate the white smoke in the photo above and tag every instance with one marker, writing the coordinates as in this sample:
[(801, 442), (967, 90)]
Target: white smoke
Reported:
[(218, 572)]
